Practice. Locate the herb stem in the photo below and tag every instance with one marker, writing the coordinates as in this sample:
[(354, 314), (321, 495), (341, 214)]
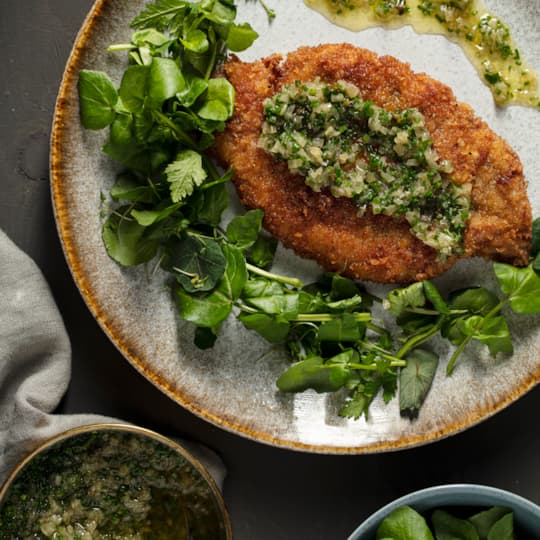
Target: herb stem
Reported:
[(374, 367), (456, 354), (415, 341), (183, 137), (395, 361), (324, 317), (211, 63), (121, 47), (294, 282), (212, 171), (269, 11), (376, 328)]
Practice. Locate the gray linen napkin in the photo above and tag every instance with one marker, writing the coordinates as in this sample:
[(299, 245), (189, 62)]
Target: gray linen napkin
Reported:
[(35, 366)]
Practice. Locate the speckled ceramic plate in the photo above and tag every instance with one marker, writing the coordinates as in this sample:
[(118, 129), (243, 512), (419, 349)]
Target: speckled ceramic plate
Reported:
[(233, 385)]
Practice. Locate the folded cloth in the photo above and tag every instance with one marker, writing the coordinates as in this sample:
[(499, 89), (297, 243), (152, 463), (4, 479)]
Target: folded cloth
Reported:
[(35, 366)]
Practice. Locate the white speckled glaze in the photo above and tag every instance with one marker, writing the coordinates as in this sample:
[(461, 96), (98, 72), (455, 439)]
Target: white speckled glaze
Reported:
[(233, 385)]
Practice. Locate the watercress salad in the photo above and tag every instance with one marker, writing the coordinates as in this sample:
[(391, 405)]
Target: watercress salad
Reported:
[(165, 210), (405, 523)]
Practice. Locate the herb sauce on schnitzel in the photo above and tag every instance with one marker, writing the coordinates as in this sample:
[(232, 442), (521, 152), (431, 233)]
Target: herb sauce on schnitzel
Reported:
[(382, 159)]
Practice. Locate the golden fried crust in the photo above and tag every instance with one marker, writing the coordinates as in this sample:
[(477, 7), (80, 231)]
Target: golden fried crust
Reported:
[(327, 229)]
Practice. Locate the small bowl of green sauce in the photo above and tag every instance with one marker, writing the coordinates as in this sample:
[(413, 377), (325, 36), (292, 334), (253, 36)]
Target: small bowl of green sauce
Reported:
[(112, 481), (454, 511)]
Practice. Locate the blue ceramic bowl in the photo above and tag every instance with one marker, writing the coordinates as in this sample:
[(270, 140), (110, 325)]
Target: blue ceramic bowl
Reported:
[(526, 513)]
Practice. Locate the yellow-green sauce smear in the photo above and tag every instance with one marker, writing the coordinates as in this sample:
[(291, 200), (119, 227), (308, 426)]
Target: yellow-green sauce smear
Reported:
[(484, 37), (384, 160), (104, 485)]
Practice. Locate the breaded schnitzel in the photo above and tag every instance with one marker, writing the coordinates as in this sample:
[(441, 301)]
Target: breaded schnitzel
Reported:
[(329, 229)]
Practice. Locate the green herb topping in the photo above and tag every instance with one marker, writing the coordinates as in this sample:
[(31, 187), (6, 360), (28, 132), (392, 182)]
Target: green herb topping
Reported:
[(382, 159)]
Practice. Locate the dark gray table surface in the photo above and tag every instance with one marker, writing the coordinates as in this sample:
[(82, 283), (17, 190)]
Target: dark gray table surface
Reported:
[(270, 493)]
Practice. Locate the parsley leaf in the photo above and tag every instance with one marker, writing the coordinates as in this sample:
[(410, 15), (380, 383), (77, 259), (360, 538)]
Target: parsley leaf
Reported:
[(184, 174)]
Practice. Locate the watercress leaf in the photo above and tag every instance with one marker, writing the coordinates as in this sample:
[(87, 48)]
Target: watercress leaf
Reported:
[(195, 40), (204, 309), (286, 305), (206, 206), (346, 303), (535, 244), (197, 263), (448, 527), (149, 36), (262, 252), (134, 87), (201, 62), (342, 287), (149, 217), (223, 12), (184, 174), (121, 134), (483, 521), (235, 276), (415, 380), (344, 329), (315, 374), (522, 285), (474, 299), (262, 287), (400, 300), (404, 523), (453, 332), (309, 303), (125, 239), (146, 131), (243, 231), (142, 159), (97, 99), (128, 188), (503, 529), (434, 296), (240, 37), (413, 323), (218, 101), (343, 358), (195, 87), (493, 332), (159, 14), (142, 56), (270, 328), (165, 80), (205, 338)]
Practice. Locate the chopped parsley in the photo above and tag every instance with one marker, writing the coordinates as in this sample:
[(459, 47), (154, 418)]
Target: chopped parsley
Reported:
[(382, 159)]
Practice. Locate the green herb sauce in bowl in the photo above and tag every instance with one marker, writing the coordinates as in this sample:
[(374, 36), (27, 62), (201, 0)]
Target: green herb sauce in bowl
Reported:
[(111, 481)]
